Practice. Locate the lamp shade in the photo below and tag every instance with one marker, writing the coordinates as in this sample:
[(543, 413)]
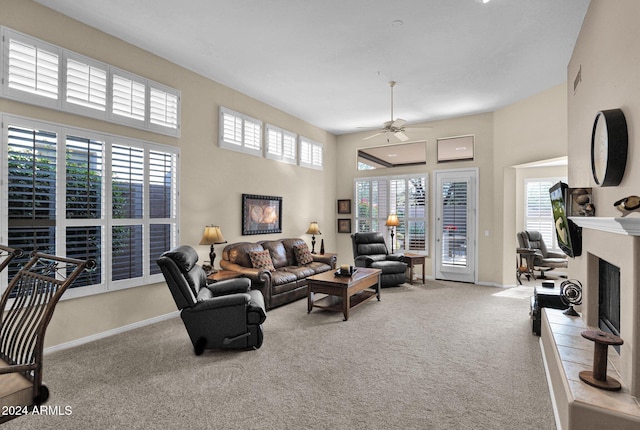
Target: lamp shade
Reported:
[(313, 228), (392, 220), (212, 235)]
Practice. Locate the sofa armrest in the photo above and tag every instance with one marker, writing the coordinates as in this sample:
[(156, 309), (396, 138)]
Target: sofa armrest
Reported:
[(326, 259), (220, 302), (256, 275), (363, 261)]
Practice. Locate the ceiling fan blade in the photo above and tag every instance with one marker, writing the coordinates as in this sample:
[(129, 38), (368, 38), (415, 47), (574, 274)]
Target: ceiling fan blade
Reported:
[(400, 135), (373, 135), (398, 123), (418, 127)]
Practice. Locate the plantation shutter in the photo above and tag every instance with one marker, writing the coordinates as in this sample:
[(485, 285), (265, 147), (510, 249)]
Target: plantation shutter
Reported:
[(33, 69), (538, 214), (127, 200), (232, 129), (163, 108), (86, 85), (416, 230), (454, 221), (274, 142), (162, 204), (289, 145), (84, 177), (128, 99), (252, 135), (31, 196)]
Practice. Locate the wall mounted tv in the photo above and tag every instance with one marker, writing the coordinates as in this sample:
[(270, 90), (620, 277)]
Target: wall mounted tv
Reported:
[(568, 233)]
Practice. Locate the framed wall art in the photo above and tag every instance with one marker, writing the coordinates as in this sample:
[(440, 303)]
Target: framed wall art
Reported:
[(344, 206), (261, 214), (344, 225)]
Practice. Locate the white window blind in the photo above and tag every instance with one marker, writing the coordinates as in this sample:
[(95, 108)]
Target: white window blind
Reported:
[(406, 196), (32, 67), (128, 98), (311, 154), (42, 74), (281, 144), (84, 194), (86, 85), (538, 212), (240, 132), (163, 108)]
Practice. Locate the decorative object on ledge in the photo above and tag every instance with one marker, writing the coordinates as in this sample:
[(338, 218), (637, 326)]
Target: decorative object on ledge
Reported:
[(392, 222), (628, 205), (580, 202), (344, 225), (212, 236), (598, 376), (321, 246), (313, 230), (609, 142), (571, 294), (344, 206), (261, 214)]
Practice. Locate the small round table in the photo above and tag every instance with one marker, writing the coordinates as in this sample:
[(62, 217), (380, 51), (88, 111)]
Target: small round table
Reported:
[(598, 377)]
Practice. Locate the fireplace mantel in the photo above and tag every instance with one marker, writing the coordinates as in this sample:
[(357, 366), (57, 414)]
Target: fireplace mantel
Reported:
[(629, 226)]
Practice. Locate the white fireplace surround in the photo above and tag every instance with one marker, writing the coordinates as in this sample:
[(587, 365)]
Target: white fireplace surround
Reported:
[(623, 225)]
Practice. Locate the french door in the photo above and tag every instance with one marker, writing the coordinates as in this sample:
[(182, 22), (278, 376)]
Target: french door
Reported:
[(455, 226)]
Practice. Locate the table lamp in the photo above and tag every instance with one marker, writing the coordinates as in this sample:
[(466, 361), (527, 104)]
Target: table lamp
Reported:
[(392, 222), (212, 236), (313, 230)]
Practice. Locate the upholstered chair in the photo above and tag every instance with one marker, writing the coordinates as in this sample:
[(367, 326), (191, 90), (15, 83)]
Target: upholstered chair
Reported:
[(370, 250), (222, 315), (540, 258)]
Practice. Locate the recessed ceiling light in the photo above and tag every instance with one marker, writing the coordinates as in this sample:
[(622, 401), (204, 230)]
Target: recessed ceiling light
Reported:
[(482, 1)]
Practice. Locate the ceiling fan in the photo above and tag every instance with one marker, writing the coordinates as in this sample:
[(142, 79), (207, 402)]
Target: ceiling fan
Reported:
[(395, 127)]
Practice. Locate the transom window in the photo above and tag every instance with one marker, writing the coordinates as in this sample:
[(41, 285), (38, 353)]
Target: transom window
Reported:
[(43, 74), (87, 195)]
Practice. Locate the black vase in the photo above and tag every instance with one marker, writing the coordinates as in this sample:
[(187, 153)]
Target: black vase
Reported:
[(322, 246)]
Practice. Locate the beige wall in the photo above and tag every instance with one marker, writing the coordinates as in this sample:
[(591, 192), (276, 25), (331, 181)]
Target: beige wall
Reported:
[(531, 130), (607, 55), (211, 179)]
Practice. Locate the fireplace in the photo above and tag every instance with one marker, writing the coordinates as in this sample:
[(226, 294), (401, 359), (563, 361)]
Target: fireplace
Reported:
[(609, 297)]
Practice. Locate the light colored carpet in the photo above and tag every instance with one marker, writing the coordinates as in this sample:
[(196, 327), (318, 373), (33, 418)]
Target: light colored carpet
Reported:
[(436, 356)]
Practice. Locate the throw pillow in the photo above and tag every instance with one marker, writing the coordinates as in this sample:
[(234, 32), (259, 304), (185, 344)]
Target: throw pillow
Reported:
[(303, 256), (261, 260)]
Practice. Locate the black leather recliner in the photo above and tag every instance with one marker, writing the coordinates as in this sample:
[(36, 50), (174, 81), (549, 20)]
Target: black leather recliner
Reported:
[(222, 315), (370, 250)]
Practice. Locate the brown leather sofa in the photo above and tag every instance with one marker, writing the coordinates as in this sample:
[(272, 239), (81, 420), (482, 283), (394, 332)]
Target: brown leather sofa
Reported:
[(287, 282)]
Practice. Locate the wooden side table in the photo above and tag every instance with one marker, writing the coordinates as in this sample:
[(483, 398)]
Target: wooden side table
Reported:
[(412, 260), (223, 275)]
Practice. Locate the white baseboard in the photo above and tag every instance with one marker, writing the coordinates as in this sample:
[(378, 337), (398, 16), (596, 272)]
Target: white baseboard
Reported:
[(94, 337)]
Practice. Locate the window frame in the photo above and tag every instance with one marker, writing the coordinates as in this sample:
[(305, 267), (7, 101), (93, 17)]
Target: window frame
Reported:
[(60, 102), (281, 144), (105, 221), (553, 244), (385, 204), (315, 162), (240, 145)]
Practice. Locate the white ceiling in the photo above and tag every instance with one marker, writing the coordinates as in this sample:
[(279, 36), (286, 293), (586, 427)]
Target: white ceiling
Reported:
[(329, 62)]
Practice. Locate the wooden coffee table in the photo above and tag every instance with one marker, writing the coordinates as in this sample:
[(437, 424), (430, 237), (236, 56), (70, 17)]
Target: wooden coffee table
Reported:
[(343, 292)]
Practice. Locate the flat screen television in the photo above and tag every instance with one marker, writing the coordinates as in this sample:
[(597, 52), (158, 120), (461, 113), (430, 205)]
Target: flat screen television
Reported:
[(568, 233)]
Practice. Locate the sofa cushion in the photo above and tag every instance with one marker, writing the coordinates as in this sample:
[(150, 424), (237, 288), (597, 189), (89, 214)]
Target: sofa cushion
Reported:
[(301, 272), (278, 253), (280, 277), (303, 255), (261, 260)]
